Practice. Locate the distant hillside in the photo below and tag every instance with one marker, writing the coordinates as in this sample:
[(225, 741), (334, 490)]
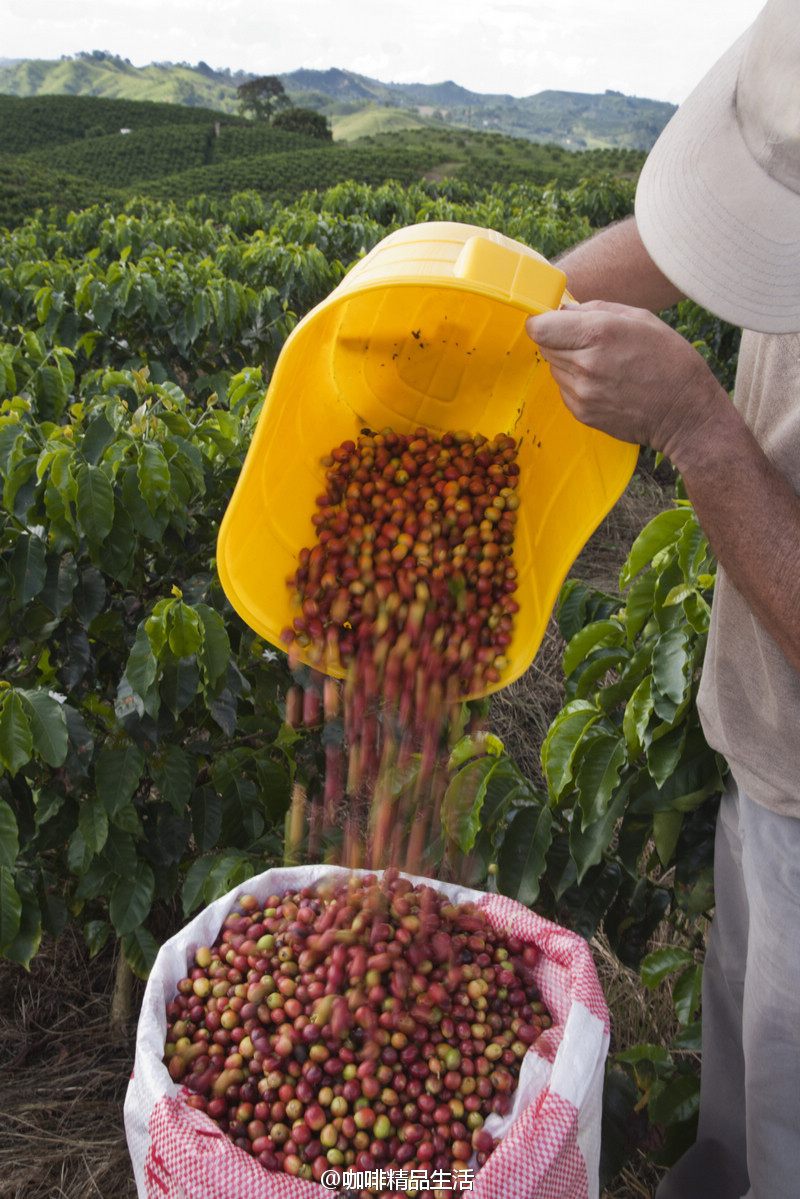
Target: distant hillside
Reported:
[(581, 120), (101, 74), (574, 119)]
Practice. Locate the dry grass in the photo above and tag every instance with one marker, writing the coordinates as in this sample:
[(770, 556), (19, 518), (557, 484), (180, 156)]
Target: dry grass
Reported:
[(63, 1077)]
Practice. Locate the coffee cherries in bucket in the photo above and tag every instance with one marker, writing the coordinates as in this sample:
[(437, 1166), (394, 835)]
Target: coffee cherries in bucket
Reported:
[(414, 540)]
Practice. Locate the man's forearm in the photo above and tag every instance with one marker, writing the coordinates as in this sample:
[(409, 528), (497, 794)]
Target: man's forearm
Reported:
[(751, 517), (624, 371), (614, 265)]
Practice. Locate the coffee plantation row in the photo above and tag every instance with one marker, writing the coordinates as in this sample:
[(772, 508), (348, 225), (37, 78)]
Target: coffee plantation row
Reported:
[(119, 160), (145, 758), (74, 151)]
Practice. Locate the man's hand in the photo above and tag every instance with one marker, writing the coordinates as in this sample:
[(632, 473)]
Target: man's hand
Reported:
[(626, 372)]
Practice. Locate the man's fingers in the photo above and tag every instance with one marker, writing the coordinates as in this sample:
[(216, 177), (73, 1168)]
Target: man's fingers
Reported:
[(579, 326), (563, 330)]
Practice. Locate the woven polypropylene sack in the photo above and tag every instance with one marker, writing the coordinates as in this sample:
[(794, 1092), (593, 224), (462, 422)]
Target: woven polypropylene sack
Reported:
[(549, 1145)]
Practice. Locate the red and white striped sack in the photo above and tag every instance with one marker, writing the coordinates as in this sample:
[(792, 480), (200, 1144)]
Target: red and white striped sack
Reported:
[(550, 1140)]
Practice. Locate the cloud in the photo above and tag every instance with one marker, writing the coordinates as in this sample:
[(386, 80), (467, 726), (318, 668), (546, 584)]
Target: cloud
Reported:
[(658, 49)]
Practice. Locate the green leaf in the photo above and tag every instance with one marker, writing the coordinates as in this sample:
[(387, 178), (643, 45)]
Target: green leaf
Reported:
[(48, 726), (597, 775), (463, 800), (666, 830), (55, 916), (230, 870), (662, 531), (153, 474), (697, 612), (16, 738), (9, 835), (675, 1101), (672, 662), (589, 901), (173, 772), (95, 503), (62, 578), (571, 608), (664, 751), (127, 702), (179, 684), (637, 717), (142, 667), (207, 818), (645, 1053), (115, 554), (79, 658), (10, 909), (79, 856), (131, 900), (28, 936), (95, 934), (597, 635), (690, 1038), (120, 852), (117, 772), (90, 595), (696, 776), (587, 845), (95, 881), (141, 950), (93, 823), (583, 681), (98, 435), (215, 651), (639, 603), (474, 745), (184, 630), (692, 549), (195, 881), (148, 525), (619, 1099), (28, 567), (562, 742), (662, 962), (275, 786), (686, 993), (677, 594), (224, 709), (522, 857)]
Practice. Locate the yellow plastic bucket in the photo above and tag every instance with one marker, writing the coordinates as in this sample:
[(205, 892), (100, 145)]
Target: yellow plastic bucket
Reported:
[(427, 329)]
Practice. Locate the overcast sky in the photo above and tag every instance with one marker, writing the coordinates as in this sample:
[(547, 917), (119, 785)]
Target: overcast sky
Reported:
[(655, 49)]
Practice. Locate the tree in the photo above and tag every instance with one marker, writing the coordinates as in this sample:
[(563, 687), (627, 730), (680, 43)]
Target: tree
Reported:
[(262, 97), (303, 120)]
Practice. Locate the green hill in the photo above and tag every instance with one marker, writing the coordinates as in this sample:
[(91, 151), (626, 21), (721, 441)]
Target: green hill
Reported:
[(108, 75), (574, 119), (370, 119)]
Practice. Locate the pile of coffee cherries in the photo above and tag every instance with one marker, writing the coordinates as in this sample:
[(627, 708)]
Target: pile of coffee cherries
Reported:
[(413, 555), (362, 1024)]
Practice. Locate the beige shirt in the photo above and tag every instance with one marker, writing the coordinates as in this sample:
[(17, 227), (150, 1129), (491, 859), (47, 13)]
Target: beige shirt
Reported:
[(749, 698)]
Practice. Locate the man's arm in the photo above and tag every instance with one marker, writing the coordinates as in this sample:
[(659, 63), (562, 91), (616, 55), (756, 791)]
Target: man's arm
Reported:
[(614, 265), (624, 371)]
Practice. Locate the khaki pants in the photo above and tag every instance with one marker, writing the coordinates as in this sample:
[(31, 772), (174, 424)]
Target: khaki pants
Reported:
[(748, 1144)]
